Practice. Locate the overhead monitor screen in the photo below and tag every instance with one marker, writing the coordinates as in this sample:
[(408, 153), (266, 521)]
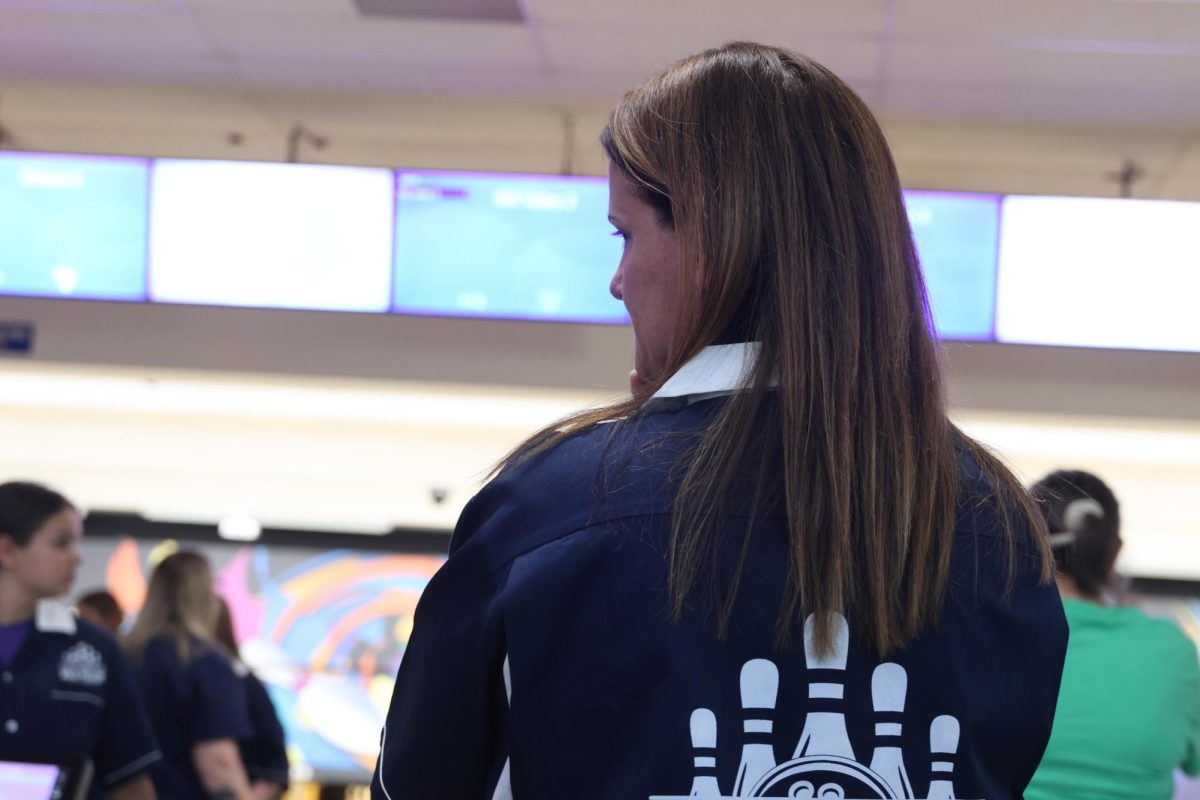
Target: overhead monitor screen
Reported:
[(496, 245), (271, 235), (73, 226), (1090, 272), (323, 629), (956, 237)]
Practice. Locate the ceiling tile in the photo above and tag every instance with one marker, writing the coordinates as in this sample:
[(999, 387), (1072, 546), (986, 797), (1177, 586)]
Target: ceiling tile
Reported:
[(1026, 104), (477, 10), (61, 34), (383, 42), (88, 7), (1123, 20), (110, 65), (323, 74), (937, 64), (585, 55), (773, 18), (1126, 62)]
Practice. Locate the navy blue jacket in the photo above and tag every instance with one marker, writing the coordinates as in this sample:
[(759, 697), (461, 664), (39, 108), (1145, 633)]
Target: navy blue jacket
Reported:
[(69, 695), (543, 664)]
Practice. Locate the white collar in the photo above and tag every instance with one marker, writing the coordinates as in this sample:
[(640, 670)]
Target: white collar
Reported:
[(54, 616), (716, 370)]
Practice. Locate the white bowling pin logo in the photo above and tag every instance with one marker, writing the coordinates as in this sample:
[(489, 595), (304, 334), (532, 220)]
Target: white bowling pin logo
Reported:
[(704, 754), (889, 686), (760, 685), (943, 746), (823, 766), (824, 731)]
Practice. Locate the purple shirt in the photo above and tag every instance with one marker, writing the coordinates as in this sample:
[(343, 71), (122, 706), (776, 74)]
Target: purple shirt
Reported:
[(11, 639)]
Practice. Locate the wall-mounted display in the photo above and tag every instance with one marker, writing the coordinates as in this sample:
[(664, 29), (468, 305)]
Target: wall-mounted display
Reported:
[(1070, 271), (956, 236), (495, 245), (73, 226), (1091, 272), (302, 236)]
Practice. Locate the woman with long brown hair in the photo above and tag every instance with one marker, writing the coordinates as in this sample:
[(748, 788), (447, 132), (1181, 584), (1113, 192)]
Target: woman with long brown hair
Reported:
[(777, 569), (197, 703)]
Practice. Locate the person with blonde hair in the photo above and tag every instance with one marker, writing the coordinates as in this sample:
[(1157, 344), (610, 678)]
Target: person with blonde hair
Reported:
[(66, 691), (197, 703), (776, 569), (1129, 712)]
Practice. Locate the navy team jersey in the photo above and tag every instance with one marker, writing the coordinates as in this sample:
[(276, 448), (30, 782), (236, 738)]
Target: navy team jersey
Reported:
[(190, 703), (69, 695), (543, 664)]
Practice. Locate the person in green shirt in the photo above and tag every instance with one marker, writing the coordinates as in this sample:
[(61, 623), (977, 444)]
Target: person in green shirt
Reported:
[(1129, 707)]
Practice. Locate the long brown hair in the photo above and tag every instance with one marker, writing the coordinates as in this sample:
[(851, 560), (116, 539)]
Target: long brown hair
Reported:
[(785, 200), (180, 605)]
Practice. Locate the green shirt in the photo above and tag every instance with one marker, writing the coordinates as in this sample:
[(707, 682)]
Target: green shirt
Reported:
[(1128, 711)]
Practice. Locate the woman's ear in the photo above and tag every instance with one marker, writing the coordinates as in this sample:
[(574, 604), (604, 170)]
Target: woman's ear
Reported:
[(1116, 551), (8, 547)]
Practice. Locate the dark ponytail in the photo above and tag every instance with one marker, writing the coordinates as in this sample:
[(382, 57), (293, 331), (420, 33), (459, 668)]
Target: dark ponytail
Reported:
[(1085, 526)]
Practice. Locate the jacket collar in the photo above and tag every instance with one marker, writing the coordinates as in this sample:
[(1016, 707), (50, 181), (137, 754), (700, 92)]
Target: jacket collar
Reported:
[(54, 616), (716, 370)]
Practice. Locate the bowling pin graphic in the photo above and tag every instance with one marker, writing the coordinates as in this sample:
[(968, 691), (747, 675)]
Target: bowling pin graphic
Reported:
[(943, 741), (824, 731), (704, 753), (760, 686), (889, 686)]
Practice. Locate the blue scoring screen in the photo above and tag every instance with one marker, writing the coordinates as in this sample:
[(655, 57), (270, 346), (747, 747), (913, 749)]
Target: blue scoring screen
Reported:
[(73, 226), (957, 239), (510, 246)]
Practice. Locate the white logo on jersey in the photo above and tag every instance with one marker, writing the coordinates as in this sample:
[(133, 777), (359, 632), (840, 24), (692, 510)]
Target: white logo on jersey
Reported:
[(823, 764), (82, 664)]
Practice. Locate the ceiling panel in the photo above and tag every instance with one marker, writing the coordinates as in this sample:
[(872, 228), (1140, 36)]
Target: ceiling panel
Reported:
[(111, 65), (89, 7), (585, 55), (1026, 104), (279, 9), (1132, 62), (419, 79), (1122, 20), (782, 17), (490, 10), (384, 43), (1038, 68), (62, 33)]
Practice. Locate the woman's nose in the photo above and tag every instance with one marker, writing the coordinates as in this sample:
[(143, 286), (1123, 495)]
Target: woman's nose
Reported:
[(614, 286)]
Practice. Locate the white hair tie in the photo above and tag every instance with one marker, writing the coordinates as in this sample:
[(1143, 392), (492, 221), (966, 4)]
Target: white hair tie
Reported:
[(1077, 511), (1074, 517)]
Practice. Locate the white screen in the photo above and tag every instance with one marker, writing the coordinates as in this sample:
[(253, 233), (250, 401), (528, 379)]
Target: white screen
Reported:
[(1099, 273), (20, 781), (271, 235)]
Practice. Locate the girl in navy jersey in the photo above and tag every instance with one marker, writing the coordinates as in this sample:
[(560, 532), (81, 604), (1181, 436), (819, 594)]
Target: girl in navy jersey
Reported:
[(777, 569), (66, 692), (264, 753), (196, 701)]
